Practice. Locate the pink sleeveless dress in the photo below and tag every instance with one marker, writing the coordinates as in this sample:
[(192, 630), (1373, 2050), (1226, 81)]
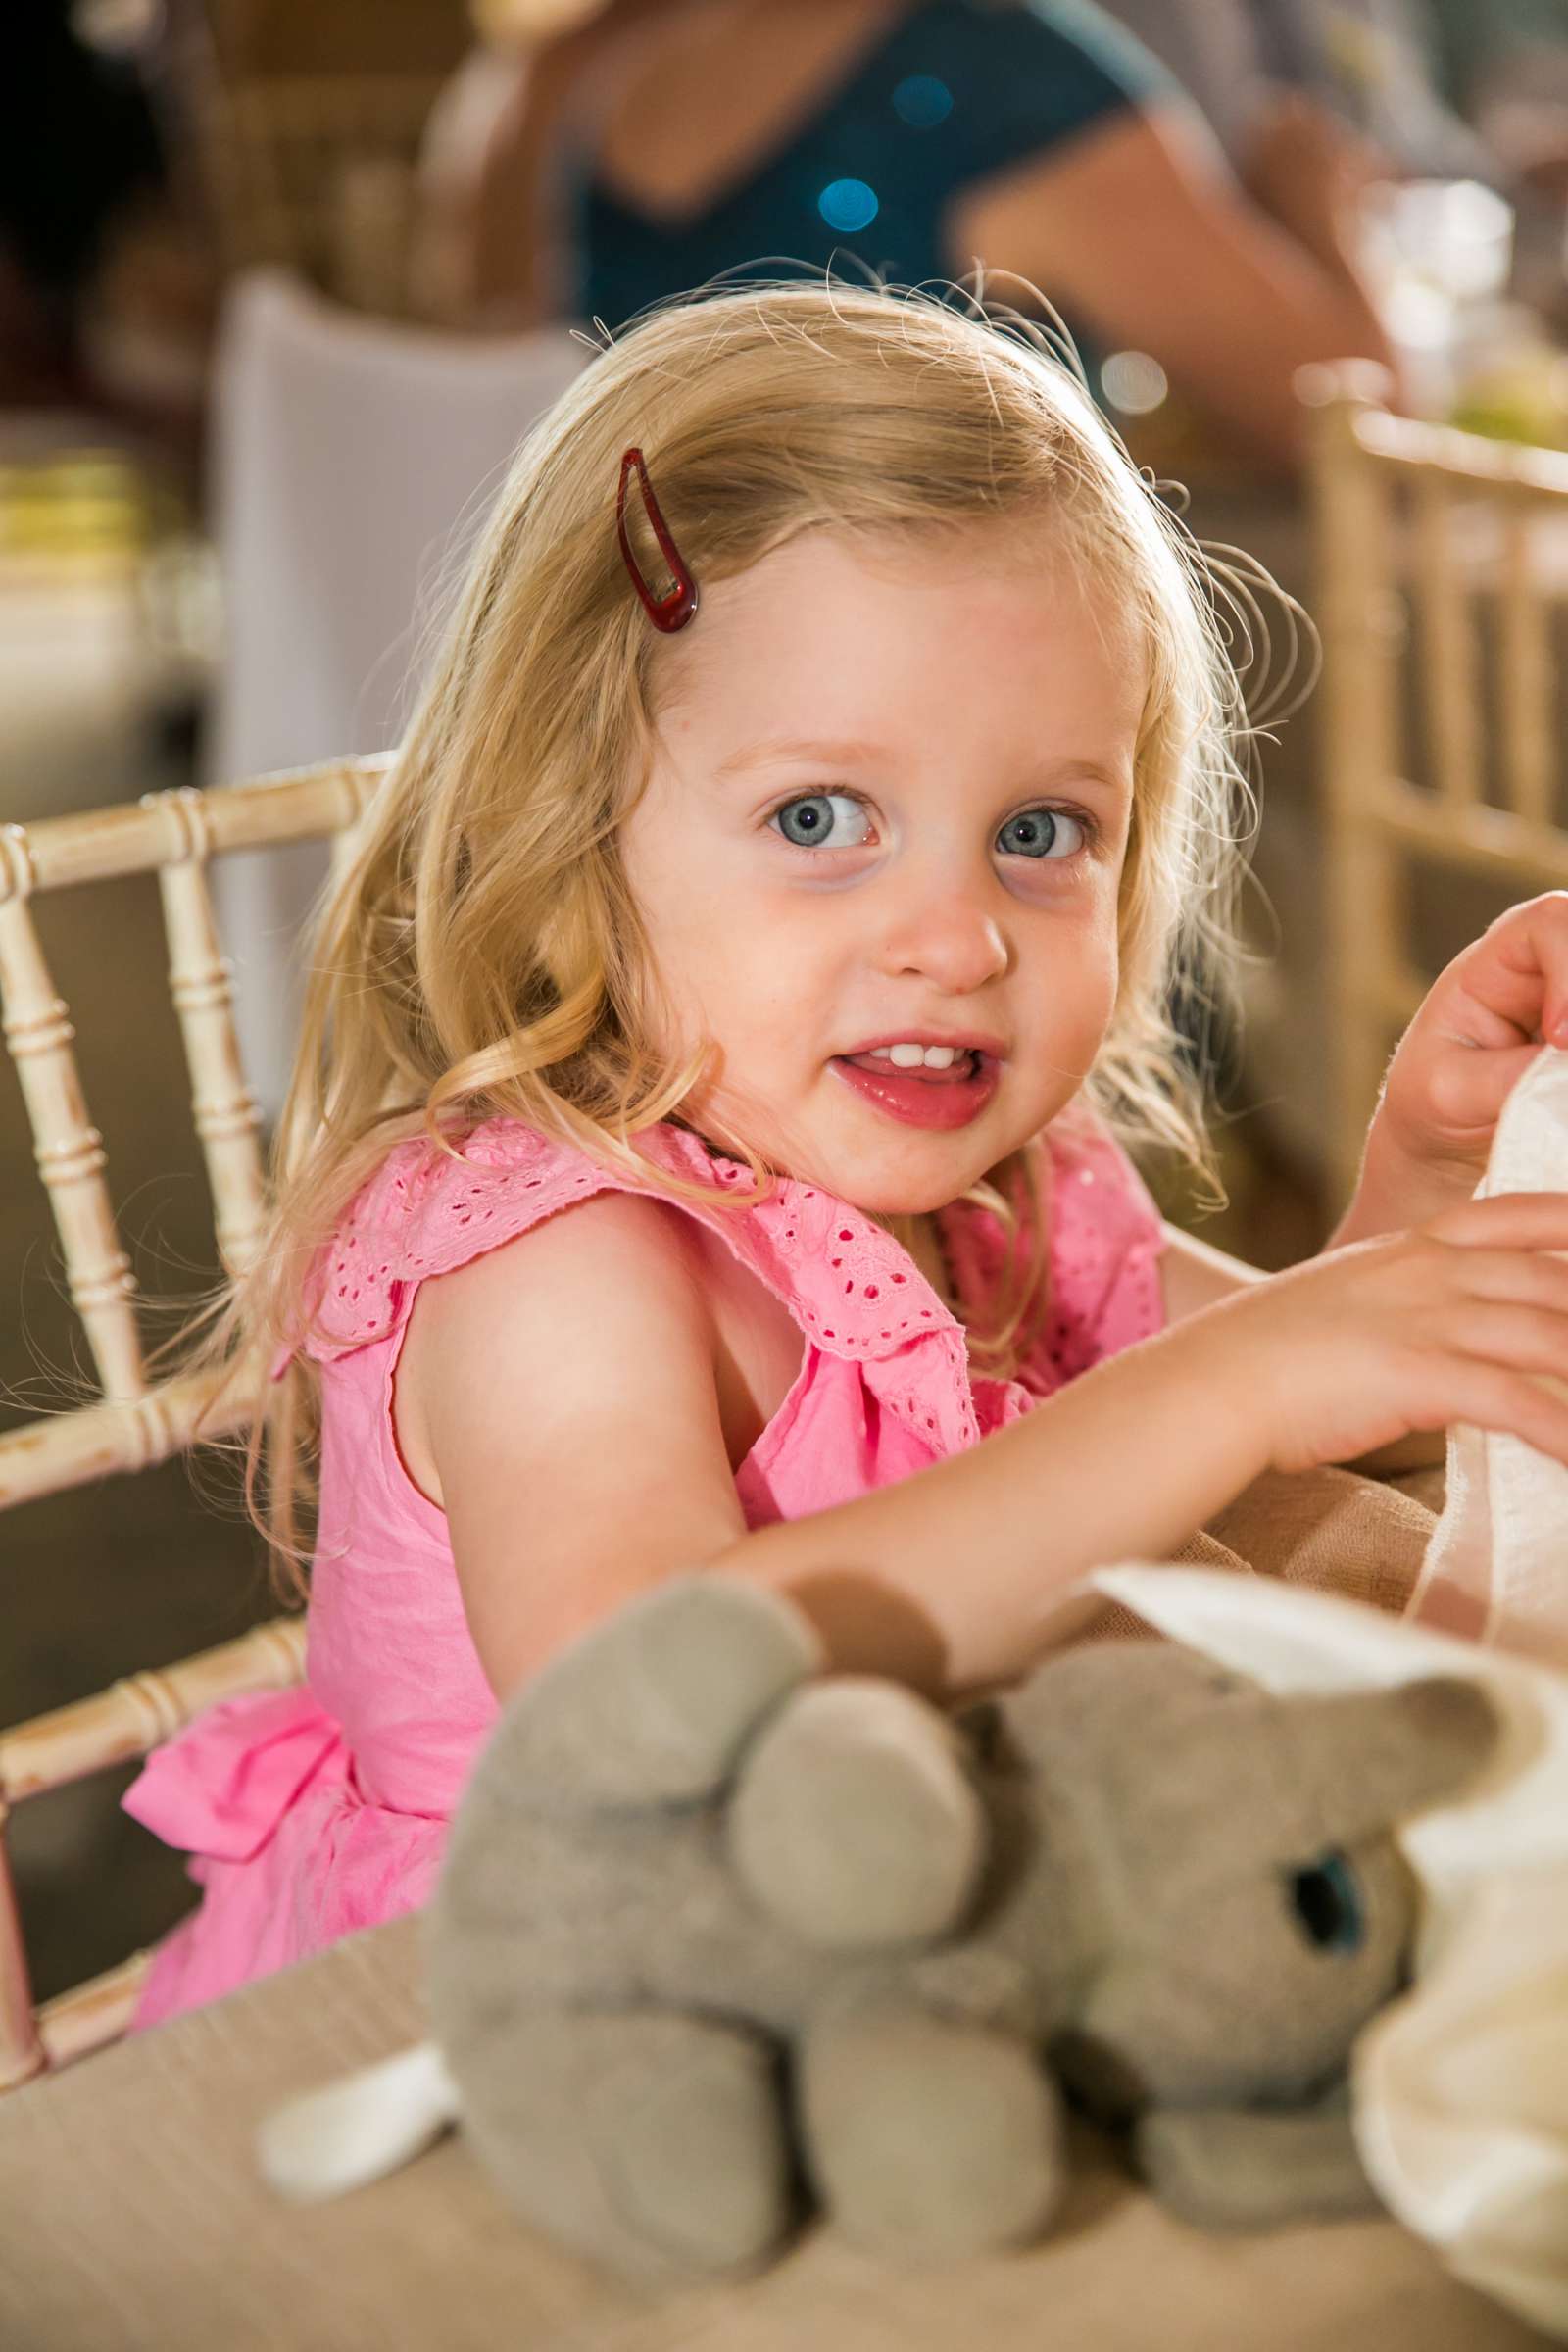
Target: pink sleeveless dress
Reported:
[(312, 1812)]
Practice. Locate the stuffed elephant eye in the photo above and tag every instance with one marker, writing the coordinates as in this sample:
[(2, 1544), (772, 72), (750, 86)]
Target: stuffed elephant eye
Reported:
[(1326, 1898)]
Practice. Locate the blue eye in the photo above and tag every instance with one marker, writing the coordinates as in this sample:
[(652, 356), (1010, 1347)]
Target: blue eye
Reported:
[(808, 822), (1326, 1899), (1039, 831), (812, 815)]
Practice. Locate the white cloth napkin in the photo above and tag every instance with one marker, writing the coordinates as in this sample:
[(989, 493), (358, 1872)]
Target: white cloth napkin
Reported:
[(1498, 1565)]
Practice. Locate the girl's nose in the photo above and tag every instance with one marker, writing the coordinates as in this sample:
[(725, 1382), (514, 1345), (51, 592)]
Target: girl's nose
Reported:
[(950, 938)]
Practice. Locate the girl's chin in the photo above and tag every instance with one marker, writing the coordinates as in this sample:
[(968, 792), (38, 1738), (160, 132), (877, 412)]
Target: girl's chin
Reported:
[(915, 1174)]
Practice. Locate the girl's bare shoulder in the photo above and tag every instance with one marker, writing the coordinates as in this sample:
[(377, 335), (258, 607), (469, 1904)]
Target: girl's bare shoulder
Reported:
[(558, 1398)]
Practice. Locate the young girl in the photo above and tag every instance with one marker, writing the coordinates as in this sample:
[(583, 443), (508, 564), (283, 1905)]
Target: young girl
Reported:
[(701, 1148)]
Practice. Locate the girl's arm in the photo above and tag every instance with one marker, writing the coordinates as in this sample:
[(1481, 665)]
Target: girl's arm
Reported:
[(567, 1384), (558, 1397)]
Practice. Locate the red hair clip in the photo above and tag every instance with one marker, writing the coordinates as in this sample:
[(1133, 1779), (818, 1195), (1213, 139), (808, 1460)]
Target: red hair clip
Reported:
[(674, 611)]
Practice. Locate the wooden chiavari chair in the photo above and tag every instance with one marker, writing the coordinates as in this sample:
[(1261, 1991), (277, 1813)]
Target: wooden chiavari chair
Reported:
[(1442, 576), (135, 1424)]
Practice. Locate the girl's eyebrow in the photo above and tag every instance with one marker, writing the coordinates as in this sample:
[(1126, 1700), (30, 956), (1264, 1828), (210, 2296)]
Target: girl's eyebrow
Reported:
[(1109, 774), (758, 755)]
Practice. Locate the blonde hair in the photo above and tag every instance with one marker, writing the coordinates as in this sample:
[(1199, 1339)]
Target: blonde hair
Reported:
[(483, 953)]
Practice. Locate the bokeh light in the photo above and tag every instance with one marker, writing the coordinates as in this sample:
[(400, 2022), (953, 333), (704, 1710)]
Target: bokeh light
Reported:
[(1134, 383), (847, 204), (922, 101)]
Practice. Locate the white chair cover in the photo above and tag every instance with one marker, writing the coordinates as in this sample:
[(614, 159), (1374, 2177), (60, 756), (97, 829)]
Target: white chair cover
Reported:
[(354, 461)]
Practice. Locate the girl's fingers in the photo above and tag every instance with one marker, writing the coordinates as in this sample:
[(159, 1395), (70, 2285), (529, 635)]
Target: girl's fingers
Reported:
[(1531, 1277), (1529, 1339), (1468, 1090), (1508, 1220), (1513, 973), (1510, 1403)]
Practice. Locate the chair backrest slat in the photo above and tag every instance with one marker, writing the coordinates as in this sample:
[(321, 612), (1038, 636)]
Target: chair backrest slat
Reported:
[(1363, 626), (227, 1116), (173, 835), (76, 2024), (103, 1441), (1449, 662), (299, 805), (140, 1711), (67, 1148), (345, 848), (1524, 666), (22, 2052)]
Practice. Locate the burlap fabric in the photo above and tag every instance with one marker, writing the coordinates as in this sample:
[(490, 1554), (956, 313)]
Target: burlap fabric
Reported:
[(1329, 1529), (131, 2220)]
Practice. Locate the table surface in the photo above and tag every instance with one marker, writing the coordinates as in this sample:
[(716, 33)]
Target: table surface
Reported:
[(132, 2216)]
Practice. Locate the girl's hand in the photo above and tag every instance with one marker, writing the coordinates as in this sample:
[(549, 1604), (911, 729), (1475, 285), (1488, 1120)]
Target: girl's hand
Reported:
[(1485, 1019), (1414, 1331)]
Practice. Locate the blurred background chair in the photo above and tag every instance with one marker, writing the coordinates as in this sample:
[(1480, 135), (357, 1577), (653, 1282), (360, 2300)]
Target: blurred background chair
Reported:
[(1443, 574), (134, 1423), (352, 460), (305, 128)]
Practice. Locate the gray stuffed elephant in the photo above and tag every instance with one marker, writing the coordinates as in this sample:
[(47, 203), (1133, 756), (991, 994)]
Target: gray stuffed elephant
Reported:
[(719, 1937)]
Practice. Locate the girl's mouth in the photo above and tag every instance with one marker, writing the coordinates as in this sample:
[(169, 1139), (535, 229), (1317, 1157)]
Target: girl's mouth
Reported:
[(942, 1098)]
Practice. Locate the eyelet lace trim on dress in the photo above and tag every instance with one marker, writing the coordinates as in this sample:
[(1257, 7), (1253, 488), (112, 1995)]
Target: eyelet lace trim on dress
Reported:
[(854, 1291)]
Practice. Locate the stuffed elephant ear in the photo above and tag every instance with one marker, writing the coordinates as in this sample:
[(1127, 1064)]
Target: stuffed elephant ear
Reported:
[(1378, 1756)]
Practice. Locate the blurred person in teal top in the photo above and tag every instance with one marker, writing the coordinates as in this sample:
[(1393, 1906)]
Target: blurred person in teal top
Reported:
[(663, 142), (946, 95)]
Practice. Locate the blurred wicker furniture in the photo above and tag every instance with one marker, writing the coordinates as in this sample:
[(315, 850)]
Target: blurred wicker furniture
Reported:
[(305, 134), (319, 175), (135, 1424), (1443, 581)]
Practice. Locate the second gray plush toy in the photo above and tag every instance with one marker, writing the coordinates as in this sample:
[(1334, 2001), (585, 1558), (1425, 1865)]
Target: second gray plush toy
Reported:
[(717, 1936)]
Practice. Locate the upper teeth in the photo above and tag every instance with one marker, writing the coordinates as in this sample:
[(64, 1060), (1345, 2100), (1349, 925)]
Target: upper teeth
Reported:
[(911, 1056)]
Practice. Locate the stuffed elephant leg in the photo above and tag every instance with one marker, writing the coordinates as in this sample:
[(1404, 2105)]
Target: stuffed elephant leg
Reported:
[(853, 1820), (1229, 2168), (652, 1706), (656, 2144), (929, 2137)]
